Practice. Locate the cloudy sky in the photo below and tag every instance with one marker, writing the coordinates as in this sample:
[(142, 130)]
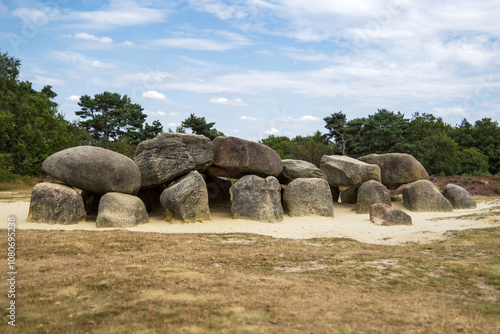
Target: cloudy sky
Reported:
[(260, 67)]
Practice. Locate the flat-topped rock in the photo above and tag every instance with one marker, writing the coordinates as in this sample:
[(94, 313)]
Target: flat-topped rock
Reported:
[(94, 169), (236, 157), (256, 198), (121, 210), (299, 169), (171, 155), (308, 197), (397, 168), (53, 203), (345, 171), (385, 215)]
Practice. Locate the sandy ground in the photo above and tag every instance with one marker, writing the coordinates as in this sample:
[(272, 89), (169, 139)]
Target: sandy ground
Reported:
[(427, 226)]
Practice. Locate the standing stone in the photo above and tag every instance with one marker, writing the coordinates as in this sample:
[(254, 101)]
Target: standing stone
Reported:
[(308, 196), (369, 193), (235, 157), (171, 155), (397, 168), (459, 197), (424, 196), (255, 198), (121, 210), (349, 195), (187, 199), (295, 169), (346, 171), (94, 169), (385, 215), (53, 203)]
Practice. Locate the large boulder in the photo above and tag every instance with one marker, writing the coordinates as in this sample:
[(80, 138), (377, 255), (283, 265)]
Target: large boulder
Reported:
[(53, 203), (187, 199), (308, 196), (94, 169), (235, 157), (171, 155), (397, 168), (295, 169), (256, 198), (369, 193), (459, 197), (121, 210), (424, 196), (385, 215), (346, 171)]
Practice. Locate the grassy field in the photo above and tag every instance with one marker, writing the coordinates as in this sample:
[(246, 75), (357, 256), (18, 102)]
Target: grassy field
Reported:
[(129, 282)]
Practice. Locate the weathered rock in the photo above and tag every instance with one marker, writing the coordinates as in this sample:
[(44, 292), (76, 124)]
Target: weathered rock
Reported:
[(121, 210), (459, 197), (369, 193), (187, 199), (171, 155), (235, 157), (346, 171), (255, 198), (94, 169), (308, 197), (424, 196), (295, 169), (218, 190), (349, 195), (397, 168), (53, 203), (385, 215)]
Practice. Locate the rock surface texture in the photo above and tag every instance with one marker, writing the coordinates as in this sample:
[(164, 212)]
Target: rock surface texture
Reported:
[(345, 171), (187, 199), (53, 203), (349, 195), (295, 169), (459, 197), (94, 169), (385, 215), (369, 193), (424, 196), (121, 210), (171, 155), (397, 168), (308, 197), (256, 198), (235, 157)]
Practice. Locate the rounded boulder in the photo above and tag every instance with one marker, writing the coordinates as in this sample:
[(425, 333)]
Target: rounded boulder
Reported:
[(94, 169)]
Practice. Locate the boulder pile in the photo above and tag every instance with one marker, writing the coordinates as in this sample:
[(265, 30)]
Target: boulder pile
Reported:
[(183, 175)]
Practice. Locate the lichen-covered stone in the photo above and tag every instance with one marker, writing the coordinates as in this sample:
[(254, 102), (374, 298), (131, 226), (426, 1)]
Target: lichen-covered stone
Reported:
[(308, 197), (121, 210)]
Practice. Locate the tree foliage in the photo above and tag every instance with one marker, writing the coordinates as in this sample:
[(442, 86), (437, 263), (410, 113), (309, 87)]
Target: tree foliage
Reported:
[(31, 128), (110, 117), (200, 126)]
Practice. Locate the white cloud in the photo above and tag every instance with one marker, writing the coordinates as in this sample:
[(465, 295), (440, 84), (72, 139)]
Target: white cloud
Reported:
[(173, 125), (160, 113), (230, 102), (79, 59), (97, 63), (272, 131), (128, 43), (74, 98), (152, 94), (89, 37), (308, 118), (248, 118)]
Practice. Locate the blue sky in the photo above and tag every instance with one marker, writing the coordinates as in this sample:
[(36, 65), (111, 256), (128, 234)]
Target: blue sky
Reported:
[(260, 67)]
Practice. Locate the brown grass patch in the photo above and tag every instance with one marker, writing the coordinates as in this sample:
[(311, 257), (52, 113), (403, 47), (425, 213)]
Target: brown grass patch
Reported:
[(129, 282)]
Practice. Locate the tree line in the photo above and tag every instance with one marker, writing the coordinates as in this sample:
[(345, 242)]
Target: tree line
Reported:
[(443, 149), (32, 128)]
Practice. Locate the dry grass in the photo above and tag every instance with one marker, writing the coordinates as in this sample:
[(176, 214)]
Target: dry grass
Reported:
[(129, 282)]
